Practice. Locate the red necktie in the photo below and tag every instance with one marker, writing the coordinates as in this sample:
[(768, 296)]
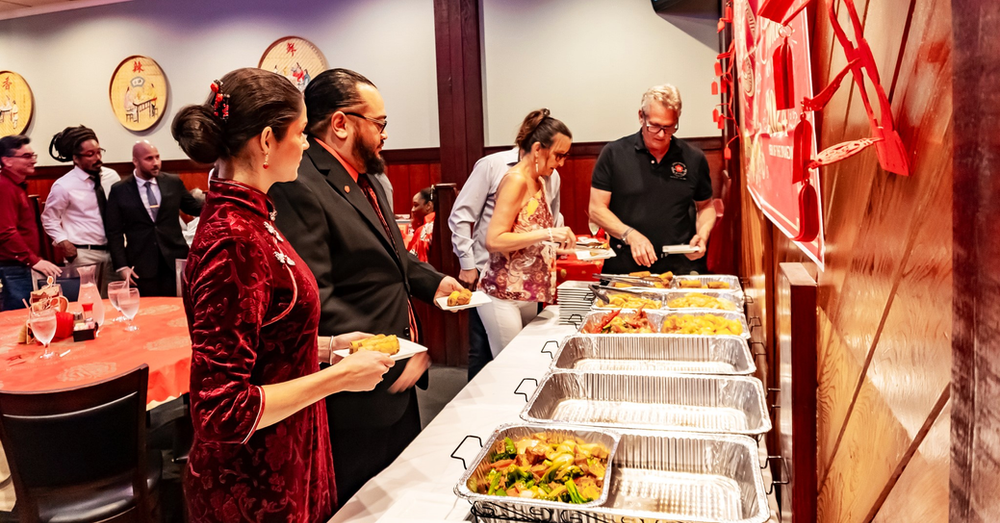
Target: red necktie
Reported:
[(366, 188)]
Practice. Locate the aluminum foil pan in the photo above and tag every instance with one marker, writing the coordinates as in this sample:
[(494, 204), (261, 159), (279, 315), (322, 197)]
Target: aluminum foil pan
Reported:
[(656, 318), (663, 476), (655, 353), (664, 296), (481, 466), (688, 402), (733, 281)]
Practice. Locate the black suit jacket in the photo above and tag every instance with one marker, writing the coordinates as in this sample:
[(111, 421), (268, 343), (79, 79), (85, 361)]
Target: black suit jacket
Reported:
[(364, 276), (126, 217)]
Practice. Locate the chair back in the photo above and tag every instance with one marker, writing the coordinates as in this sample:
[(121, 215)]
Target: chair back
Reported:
[(77, 437)]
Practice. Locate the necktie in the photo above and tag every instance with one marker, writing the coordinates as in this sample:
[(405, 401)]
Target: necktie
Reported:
[(102, 199), (154, 206), (366, 188)]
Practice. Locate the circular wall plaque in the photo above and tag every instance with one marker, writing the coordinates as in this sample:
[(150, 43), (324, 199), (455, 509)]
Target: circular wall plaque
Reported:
[(294, 58), (138, 93), (16, 104)]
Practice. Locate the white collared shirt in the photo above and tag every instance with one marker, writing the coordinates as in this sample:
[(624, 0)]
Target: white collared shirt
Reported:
[(142, 193), (473, 209), (71, 211)]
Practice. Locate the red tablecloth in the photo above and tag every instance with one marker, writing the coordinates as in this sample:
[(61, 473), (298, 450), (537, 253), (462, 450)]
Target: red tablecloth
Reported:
[(162, 342)]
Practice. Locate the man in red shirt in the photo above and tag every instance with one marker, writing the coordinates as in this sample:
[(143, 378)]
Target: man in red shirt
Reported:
[(18, 230)]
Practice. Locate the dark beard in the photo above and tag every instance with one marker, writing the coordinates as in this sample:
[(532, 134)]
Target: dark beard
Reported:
[(374, 164)]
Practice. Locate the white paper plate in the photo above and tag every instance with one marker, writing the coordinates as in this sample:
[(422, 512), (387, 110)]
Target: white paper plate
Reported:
[(585, 255), (680, 249), (478, 298), (406, 349)]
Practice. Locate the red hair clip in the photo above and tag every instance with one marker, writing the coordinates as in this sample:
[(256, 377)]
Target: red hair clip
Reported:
[(220, 102)]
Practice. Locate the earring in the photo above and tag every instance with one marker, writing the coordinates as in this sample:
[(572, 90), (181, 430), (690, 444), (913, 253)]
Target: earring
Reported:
[(266, 156), (537, 170)]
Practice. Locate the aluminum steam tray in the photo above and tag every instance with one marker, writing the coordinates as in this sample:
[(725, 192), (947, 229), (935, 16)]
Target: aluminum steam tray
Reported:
[(655, 353), (481, 466), (664, 296), (733, 281), (657, 316), (665, 477), (688, 402)]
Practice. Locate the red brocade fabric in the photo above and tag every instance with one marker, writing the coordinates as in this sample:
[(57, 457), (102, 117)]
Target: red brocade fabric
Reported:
[(253, 311)]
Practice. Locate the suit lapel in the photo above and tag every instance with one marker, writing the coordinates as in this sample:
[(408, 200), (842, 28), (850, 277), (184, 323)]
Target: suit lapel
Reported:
[(166, 192), (341, 181)]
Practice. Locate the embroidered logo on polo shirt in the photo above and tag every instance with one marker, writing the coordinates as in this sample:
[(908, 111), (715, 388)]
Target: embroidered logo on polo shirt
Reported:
[(678, 171)]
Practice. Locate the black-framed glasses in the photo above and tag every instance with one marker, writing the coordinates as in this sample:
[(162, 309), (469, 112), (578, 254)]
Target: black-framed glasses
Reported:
[(380, 123), (657, 129), (91, 154), (25, 156)]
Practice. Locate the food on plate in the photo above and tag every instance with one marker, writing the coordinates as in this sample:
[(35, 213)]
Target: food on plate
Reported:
[(546, 467), (379, 343), (717, 285), (598, 252), (629, 301), (704, 324), (697, 300), (618, 323), (462, 297)]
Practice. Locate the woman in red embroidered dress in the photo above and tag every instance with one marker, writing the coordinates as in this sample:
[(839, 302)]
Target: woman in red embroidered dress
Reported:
[(261, 448), (521, 239)]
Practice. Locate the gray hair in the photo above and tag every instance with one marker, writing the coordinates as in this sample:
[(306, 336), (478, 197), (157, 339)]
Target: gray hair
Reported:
[(665, 94)]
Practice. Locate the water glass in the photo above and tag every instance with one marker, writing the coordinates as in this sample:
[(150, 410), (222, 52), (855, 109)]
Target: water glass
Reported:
[(43, 326), (128, 300), (113, 289)]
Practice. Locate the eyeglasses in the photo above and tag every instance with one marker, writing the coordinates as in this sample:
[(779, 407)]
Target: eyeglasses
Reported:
[(561, 156), (380, 123), (25, 156), (657, 129), (91, 154)]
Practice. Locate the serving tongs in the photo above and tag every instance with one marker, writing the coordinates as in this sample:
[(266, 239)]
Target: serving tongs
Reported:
[(647, 281), (601, 292)]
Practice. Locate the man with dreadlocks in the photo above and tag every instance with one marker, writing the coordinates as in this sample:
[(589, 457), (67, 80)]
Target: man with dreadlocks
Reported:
[(74, 211)]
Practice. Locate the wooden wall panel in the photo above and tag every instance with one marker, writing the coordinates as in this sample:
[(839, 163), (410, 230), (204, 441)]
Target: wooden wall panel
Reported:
[(837, 373), (920, 494)]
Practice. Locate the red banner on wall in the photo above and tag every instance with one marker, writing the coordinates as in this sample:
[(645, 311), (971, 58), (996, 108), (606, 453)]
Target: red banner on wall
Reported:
[(775, 73)]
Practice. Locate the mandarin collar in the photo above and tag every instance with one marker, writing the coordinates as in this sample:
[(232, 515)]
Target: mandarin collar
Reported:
[(243, 195)]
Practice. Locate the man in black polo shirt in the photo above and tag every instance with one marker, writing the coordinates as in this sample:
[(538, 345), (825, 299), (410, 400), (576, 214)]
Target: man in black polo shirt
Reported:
[(643, 188)]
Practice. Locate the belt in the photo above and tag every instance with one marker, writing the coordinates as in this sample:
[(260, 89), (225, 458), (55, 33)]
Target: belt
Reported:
[(92, 247)]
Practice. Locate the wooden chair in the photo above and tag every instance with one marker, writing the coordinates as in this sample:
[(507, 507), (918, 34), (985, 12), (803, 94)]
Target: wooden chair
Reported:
[(79, 454)]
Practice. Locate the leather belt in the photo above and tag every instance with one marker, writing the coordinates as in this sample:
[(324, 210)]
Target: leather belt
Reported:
[(92, 247)]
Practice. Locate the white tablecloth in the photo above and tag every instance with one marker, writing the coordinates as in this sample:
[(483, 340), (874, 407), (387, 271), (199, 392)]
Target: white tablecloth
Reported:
[(418, 486)]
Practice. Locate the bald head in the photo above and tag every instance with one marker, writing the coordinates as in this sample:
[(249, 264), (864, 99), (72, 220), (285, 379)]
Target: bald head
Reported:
[(146, 158)]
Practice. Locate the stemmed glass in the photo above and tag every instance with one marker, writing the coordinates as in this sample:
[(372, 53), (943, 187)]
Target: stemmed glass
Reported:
[(43, 326), (128, 300), (113, 289)]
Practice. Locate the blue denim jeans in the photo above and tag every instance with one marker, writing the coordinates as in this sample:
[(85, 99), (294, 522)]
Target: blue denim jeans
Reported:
[(16, 286)]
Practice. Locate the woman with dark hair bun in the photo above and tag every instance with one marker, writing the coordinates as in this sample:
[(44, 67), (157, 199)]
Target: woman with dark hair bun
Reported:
[(261, 445), (521, 239)]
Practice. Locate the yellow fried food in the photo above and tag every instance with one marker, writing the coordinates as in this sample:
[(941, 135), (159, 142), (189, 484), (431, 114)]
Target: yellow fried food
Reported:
[(640, 274), (379, 343), (628, 301), (697, 300), (462, 297), (718, 285), (620, 285), (691, 284), (705, 324)]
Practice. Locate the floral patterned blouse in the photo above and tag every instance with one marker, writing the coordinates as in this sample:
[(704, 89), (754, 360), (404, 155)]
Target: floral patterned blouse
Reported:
[(253, 311), (528, 274)]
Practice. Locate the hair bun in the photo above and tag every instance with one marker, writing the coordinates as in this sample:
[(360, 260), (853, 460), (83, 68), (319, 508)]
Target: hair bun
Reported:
[(199, 134)]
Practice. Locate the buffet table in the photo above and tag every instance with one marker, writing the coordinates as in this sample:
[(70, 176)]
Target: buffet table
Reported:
[(418, 486)]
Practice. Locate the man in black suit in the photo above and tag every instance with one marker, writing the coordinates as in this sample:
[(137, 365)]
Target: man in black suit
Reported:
[(142, 222), (337, 219)]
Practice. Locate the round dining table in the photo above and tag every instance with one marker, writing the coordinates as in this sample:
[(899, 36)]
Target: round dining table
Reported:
[(161, 341)]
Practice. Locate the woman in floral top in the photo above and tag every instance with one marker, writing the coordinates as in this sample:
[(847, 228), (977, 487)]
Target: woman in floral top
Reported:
[(521, 238)]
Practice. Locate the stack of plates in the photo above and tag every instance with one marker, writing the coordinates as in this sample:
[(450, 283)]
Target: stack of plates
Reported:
[(575, 299)]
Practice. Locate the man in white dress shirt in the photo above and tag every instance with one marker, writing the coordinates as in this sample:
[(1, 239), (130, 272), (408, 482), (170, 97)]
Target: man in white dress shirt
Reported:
[(74, 210), (470, 217)]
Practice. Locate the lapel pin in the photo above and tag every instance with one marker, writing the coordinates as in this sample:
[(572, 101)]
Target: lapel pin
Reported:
[(347, 189)]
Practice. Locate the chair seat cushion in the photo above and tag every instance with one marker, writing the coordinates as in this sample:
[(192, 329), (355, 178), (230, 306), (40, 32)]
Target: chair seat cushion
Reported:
[(96, 502)]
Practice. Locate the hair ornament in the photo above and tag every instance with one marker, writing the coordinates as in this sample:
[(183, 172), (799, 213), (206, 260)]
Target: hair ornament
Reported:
[(220, 102)]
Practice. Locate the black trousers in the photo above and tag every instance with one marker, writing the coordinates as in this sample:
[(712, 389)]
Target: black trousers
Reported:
[(163, 284), (360, 454), (479, 345)]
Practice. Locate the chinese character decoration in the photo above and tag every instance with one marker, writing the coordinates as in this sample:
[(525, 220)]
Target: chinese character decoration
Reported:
[(294, 58), (138, 93), (17, 105)]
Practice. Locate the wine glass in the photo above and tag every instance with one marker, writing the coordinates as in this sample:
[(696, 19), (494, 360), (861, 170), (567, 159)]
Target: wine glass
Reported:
[(113, 289), (43, 326), (128, 300)]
